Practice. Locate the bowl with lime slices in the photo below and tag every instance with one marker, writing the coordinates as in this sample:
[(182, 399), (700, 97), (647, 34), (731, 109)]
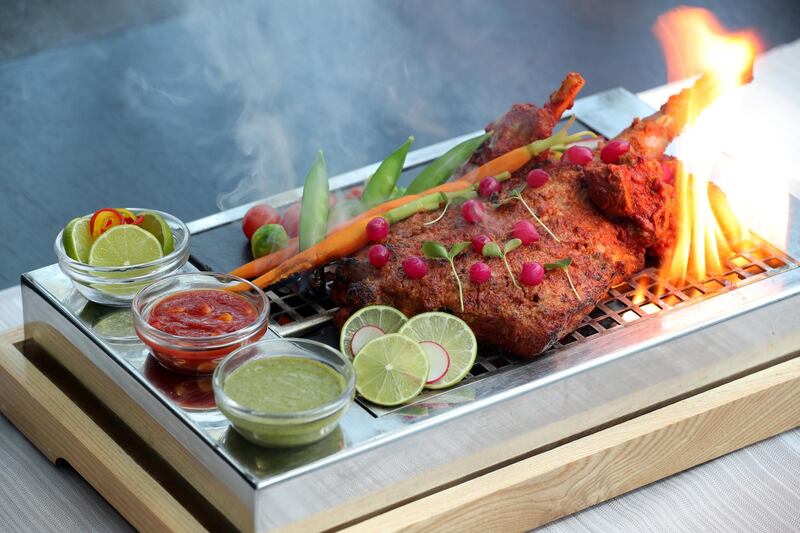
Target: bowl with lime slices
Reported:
[(114, 252)]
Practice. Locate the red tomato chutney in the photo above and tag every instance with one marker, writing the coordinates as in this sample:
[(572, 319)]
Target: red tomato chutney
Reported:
[(202, 313), (196, 315)]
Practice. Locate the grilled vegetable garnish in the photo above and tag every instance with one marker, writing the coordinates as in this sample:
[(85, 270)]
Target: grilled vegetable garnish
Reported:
[(564, 264), (519, 157), (442, 168), (381, 184), (315, 204), (268, 262), (335, 246), (352, 236), (492, 249)]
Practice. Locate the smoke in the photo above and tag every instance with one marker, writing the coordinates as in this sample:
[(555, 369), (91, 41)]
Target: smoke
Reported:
[(296, 77)]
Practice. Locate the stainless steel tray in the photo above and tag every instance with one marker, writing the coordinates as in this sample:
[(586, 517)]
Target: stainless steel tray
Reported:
[(626, 358)]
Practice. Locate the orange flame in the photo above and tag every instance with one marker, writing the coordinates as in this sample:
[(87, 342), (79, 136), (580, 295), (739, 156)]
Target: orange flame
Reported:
[(695, 42)]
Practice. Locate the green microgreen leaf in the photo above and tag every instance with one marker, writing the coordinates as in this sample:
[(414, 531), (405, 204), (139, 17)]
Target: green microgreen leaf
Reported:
[(457, 248), (510, 272), (516, 191), (434, 250), (513, 244), (516, 194), (437, 250), (491, 249), (562, 264)]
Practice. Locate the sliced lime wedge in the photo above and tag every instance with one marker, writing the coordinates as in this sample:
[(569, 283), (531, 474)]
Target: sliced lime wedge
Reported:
[(369, 323), (454, 335), (155, 224), (77, 239), (124, 246), (390, 370)]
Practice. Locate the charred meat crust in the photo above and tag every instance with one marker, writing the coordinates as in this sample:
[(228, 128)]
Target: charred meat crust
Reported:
[(525, 123), (636, 195), (522, 321)]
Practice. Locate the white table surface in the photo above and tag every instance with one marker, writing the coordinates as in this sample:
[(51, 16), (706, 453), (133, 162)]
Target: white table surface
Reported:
[(753, 489)]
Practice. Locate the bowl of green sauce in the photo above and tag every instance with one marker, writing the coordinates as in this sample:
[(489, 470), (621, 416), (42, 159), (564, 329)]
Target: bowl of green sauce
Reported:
[(284, 393)]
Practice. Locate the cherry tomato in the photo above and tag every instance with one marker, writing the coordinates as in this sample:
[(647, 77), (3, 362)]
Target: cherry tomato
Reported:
[(257, 216), (291, 220), (354, 193)]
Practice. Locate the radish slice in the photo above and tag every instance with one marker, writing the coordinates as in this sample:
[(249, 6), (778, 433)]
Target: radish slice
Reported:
[(438, 358), (362, 337)]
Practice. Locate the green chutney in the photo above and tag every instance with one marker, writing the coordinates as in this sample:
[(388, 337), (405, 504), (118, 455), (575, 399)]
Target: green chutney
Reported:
[(284, 385)]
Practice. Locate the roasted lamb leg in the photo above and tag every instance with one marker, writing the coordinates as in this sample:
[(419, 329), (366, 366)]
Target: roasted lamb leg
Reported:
[(604, 216)]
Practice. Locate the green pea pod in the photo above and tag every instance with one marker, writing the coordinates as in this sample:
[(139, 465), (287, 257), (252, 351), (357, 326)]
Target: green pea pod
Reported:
[(397, 192), (380, 185), (314, 206), (442, 168)]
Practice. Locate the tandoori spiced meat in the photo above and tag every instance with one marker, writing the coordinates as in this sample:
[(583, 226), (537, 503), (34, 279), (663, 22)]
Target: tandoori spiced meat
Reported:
[(605, 218), (523, 320), (525, 123)]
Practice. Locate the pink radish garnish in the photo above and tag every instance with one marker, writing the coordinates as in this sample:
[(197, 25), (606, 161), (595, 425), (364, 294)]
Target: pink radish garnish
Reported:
[(362, 337), (438, 358)]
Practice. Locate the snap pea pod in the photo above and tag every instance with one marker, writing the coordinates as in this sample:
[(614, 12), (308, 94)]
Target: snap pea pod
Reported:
[(381, 184), (442, 168), (397, 192), (314, 206), (429, 202)]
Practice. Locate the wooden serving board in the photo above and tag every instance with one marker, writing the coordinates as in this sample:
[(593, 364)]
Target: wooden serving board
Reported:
[(516, 497)]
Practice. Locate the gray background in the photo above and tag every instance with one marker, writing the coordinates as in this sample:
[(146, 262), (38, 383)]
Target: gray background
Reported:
[(187, 106)]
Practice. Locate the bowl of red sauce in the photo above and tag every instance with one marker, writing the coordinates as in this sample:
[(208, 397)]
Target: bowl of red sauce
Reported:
[(191, 322)]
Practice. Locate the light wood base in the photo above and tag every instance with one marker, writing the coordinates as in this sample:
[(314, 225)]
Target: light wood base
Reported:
[(61, 430), (593, 469), (520, 496)]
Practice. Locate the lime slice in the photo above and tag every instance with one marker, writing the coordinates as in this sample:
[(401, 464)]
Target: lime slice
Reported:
[(367, 324), (454, 335), (155, 224), (77, 239), (390, 370), (124, 245)]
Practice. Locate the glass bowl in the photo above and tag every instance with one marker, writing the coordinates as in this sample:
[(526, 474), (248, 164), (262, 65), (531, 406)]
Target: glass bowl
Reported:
[(196, 355), (118, 285), (285, 429)]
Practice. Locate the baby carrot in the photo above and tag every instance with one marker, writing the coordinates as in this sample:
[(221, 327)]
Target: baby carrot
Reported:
[(268, 262), (342, 242)]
